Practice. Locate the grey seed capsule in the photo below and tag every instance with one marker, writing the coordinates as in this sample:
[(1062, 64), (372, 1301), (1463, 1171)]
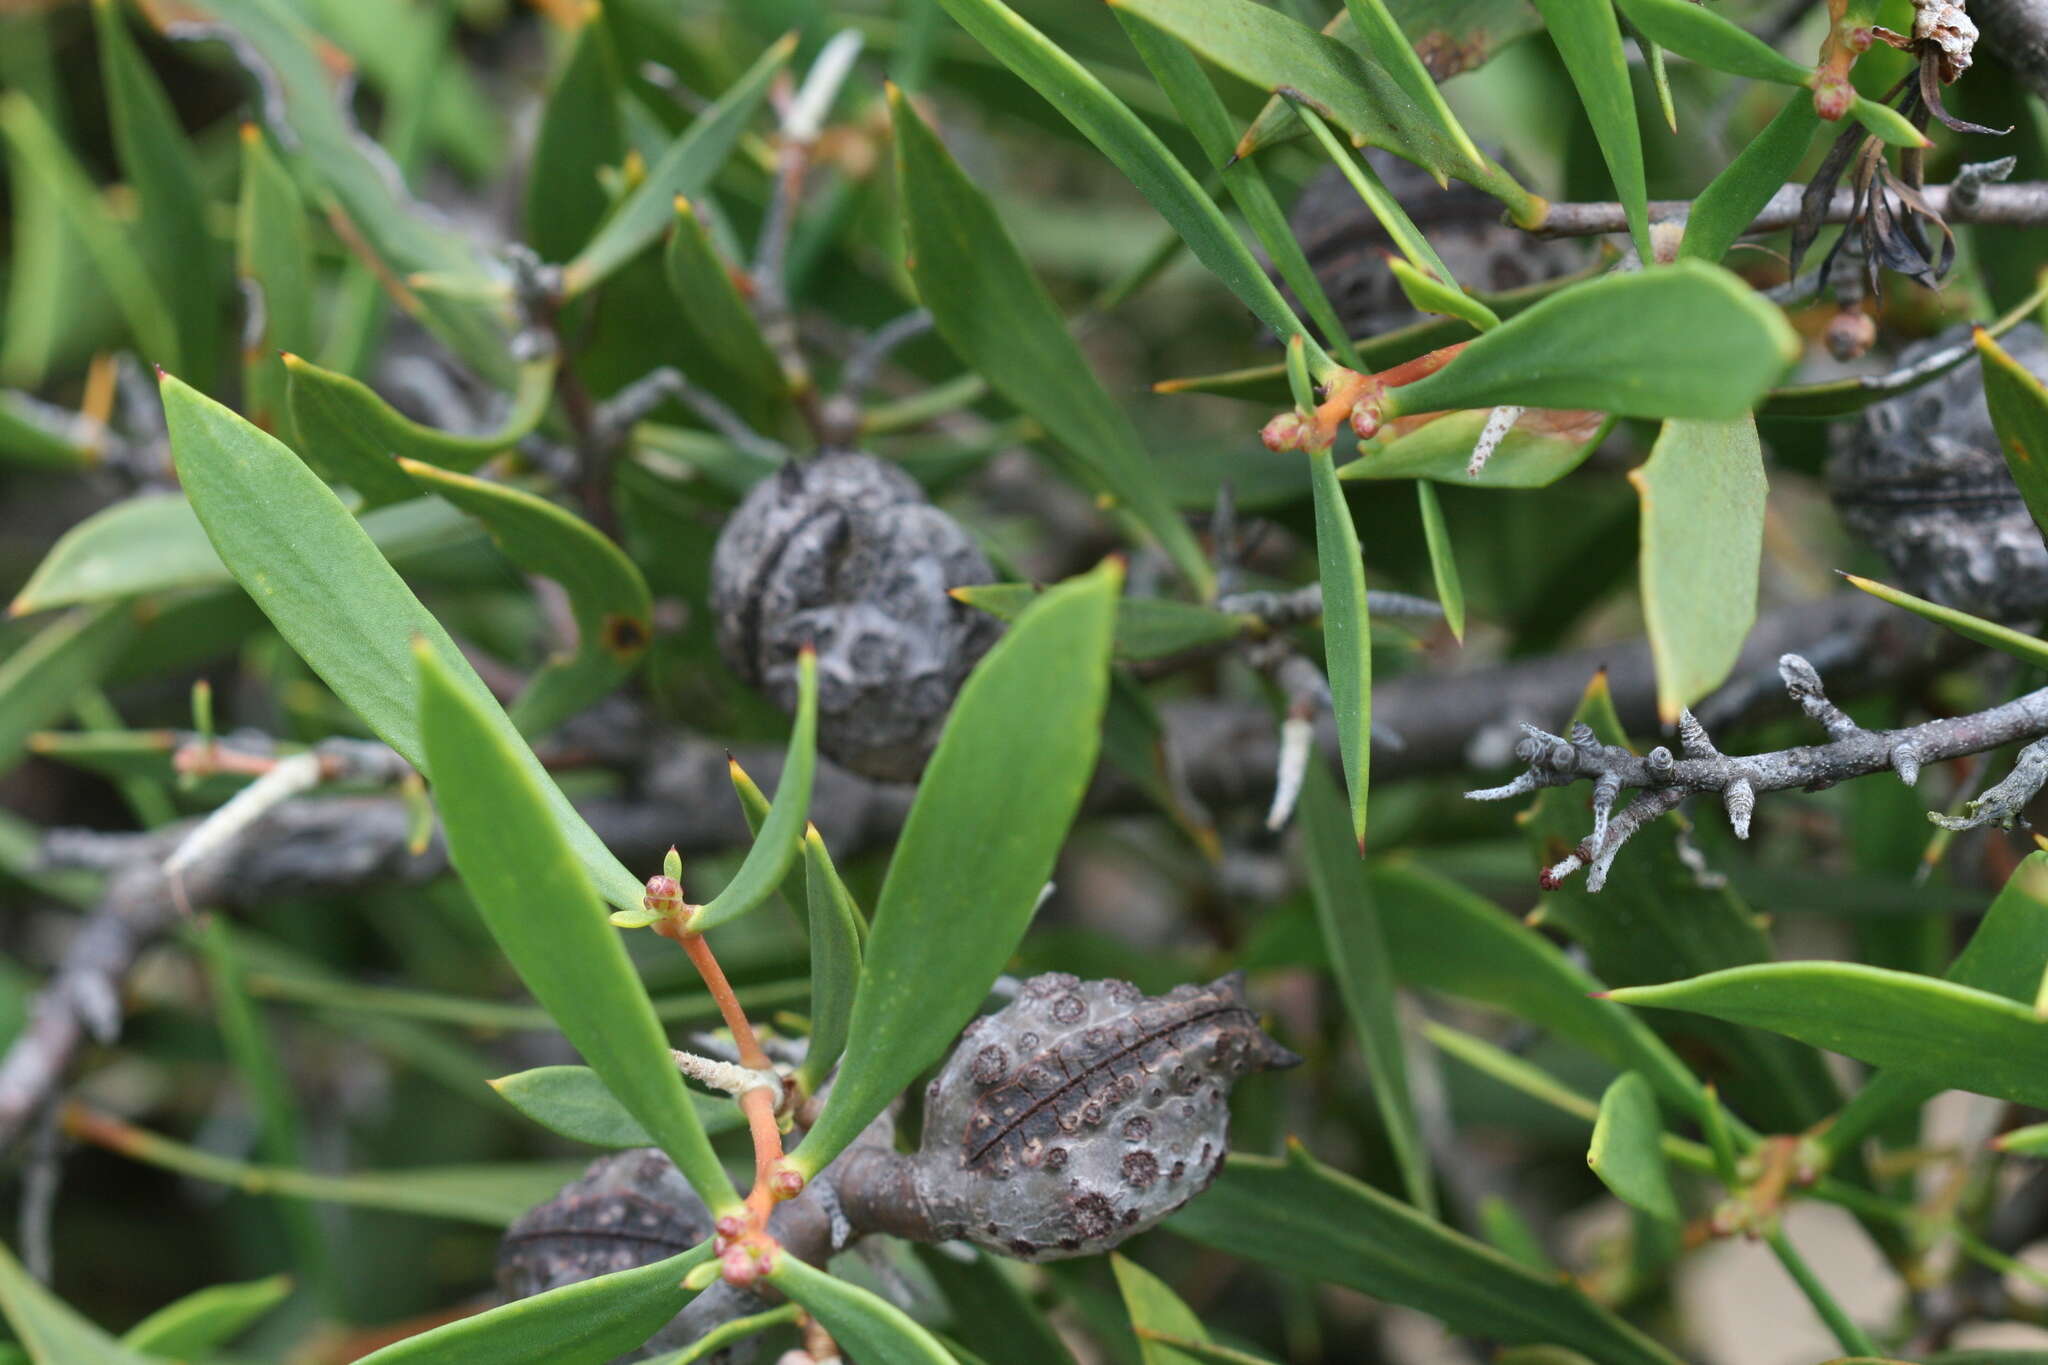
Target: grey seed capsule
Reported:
[(1922, 479), (1113, 1117), (1347, 248), (630, 1209), (844, 552)]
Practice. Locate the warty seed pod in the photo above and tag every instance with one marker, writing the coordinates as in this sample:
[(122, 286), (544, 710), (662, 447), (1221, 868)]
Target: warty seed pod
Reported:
[(1922, 479), (1078, 1115), (844, 552), (1347, 248)]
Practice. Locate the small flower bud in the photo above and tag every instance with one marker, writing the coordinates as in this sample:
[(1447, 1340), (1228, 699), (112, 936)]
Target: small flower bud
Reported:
[(1365, 418), (787, 1183), (1284, 432), (1084, 1112), (664, 895), (738, 1267), (1851, 332)]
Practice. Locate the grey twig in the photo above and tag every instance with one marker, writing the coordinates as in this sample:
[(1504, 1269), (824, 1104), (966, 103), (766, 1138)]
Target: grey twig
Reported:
[(1294, 606), (630, 405), (1664, 780), (2024, 204)]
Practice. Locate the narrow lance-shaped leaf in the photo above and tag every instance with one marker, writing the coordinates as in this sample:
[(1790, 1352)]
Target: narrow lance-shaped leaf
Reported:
[(1702, 493), (608, 598), (1301, 1217), (1731, 201), (1588, 38), (1968, 1039), (1386, 209), (865, 1326), (2019, 414), (1119, 134), (158, 160), (1443, 558), (581, 129), (1358, 955), (575, 1102), (320, 579), (585, 1323), (41, 679), (2017, 643), (836, 934), (1627, 1152), (714, 310), (206, 1319), (993, 311), (1154, 1310), (1430, 294), (777, 845), (685, 168), (33, 433), (1685, 340), (52, 1331), (1347, 633), (42, 159), (273, 262), (1390, 49), (1703, 36), (523, 876), (979, 842)]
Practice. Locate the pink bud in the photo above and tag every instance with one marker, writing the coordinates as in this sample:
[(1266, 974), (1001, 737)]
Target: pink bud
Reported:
[(664, 895), (788, 1184), (1284, 432), (739, 1267), (1365, 418)]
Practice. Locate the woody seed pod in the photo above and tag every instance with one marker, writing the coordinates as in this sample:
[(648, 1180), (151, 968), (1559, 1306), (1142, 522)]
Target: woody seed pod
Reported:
[(1922, 479), (843, 552), (1347, 248), (1078, 1115)]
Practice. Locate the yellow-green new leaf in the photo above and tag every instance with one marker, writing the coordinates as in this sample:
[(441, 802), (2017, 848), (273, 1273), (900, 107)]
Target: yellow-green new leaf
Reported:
[(575, 1102), (1702, 521), (864, 1326), (1627, 1151), (322, 582), (1347, 633), (1156, 1310), (52, 1331), (2019, 414), (608, 598), (524, 878), (996, 315), (2017, 643), (781, 834), (1443, 558), (206, 1319), (586, 1323), (1684, 340), (988, 821)]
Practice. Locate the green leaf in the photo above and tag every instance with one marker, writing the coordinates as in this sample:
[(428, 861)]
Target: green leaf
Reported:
[(976, 849), (203, 1321), (1967, 1039), (608, 599), (1350, 925), (866, 1327), (836, 934), (1385, 208), (2019, 644), (1887, 123), (1389, 49), (1627, 1152), (1136, 151), (1732, 199), (1702, 493), (1588, 38), (306, 82), (1443, 558), (1154, 1307), (50, 1330), (1430, 295), (41, 679), (586, 1323), (2005, 955), (1302, 1218), (1540, 448), (1442, 937), (723, 322), (993, 1314), (580, 131), (350, 434), (153, 542), (320, 579), (996, 315), (503, 837), (1684, 340), (684, 168), (158, 161), (1274, 53), (574, 1102), (1347, 633), (714, 1342), (1705, 37), (1146, 627), (41, 437), (781, 836), (273, 264), (43, 162), (2019, 414)]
